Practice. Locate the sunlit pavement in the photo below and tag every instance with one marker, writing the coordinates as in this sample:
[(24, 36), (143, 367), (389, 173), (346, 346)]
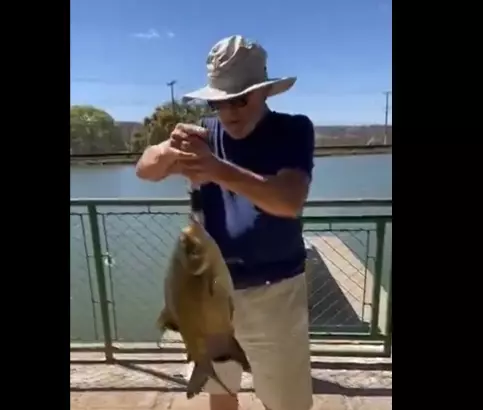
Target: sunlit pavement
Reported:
[(352, 384), (177, 401)]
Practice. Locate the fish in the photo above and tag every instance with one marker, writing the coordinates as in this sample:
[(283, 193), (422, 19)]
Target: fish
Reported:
[(199, 306)]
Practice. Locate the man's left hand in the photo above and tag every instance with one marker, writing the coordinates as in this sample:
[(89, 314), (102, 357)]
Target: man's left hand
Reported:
[(203, 166)]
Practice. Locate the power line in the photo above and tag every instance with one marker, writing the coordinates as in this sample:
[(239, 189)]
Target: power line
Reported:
[(101, 81), (158, 83)]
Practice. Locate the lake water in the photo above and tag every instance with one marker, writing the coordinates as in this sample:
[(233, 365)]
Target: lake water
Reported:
[(334, 177), (137, 245)]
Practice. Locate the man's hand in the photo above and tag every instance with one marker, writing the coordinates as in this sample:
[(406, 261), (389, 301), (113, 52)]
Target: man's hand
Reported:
[(185, 132), (201, 165), (193, 155)]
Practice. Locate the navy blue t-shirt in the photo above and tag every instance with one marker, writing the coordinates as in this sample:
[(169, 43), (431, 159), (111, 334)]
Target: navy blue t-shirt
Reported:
[(258, 247)]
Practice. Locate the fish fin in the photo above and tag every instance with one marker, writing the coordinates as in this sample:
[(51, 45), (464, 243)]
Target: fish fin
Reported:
[(236, 354), (198, 379), (165, 321), (172, 326)]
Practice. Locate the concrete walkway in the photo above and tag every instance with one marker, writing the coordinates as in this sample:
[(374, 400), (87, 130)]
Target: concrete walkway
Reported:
[(339, 384), (177, 401)]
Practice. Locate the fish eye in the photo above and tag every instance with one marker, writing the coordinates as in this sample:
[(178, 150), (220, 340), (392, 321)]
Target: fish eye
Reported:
[(192, 249)]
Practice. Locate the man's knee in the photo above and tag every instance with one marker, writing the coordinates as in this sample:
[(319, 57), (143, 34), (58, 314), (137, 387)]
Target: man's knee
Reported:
[(230, 373)]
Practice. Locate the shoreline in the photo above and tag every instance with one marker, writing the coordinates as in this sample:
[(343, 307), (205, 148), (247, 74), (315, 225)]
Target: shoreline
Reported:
[(131, 159)]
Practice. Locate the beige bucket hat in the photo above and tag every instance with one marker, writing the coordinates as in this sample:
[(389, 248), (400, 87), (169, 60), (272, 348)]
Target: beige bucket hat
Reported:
[(236, 67)]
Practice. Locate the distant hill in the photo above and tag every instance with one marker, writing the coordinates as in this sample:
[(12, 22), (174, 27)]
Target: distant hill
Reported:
[(339, 135), (326, 135), (128, 128)]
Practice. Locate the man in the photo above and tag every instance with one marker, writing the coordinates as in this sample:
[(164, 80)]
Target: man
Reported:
[(254, 167)]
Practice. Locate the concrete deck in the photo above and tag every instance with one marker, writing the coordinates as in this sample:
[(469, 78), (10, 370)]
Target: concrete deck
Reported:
[(177, 401), (340, 286), (148, 381)]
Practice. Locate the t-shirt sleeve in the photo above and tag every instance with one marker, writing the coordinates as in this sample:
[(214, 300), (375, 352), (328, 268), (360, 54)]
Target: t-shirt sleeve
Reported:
[(298, 147)]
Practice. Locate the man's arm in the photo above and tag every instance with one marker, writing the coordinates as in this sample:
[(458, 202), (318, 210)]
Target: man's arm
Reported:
[(156, 163), (283, 194), (160, 161)]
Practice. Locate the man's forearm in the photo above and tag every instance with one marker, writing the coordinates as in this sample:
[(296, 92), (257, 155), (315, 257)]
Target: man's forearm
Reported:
[(268, 193), (155, 164)]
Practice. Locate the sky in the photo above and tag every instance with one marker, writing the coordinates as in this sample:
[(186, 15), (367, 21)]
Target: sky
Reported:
[(124, 52)]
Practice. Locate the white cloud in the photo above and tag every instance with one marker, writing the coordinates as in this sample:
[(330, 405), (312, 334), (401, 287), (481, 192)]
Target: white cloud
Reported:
[(170, 34), (148, 35)]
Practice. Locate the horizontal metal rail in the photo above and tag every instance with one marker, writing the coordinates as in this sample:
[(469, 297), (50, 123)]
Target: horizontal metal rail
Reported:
[(311, 203), (107, 245)]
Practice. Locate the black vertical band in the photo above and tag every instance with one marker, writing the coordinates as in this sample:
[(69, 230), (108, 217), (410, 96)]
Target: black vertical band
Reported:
[(195, 200)]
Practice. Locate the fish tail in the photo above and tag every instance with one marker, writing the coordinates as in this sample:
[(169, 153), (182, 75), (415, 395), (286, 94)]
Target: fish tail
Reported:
[(197, 381), (165, 321), (236, 354)]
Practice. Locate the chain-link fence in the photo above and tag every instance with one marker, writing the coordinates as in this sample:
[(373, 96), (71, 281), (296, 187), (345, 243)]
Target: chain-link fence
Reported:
[(120, 249), (347, 276)]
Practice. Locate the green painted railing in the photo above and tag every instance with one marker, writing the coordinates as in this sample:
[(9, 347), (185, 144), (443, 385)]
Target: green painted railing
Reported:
[(120, 248)]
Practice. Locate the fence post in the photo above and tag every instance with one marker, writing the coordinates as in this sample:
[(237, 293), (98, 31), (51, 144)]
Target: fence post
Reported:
[(388, 335), (101, 281), (376, 290)]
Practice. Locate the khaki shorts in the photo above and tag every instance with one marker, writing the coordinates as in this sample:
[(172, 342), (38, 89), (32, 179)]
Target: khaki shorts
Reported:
[(271, 324)]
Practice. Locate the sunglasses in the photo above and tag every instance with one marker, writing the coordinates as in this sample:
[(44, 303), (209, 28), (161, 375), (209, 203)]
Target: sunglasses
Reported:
[(237, 102)]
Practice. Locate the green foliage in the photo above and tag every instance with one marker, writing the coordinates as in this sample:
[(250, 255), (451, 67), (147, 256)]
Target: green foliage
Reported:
[(159, 125), (92, 130)]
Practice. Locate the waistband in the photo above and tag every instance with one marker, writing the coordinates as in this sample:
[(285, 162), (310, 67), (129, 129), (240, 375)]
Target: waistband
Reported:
[(244, 277)]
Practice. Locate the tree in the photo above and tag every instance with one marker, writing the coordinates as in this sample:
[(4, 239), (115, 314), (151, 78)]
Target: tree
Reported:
[(159, 125), (92, 130)]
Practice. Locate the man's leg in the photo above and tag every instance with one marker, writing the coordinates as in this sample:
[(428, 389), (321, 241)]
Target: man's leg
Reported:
[(231, 374), (223, 402), (271, 324), (272, 327)]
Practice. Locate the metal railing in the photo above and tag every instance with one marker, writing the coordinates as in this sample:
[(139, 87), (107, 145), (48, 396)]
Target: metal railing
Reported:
[(120, 249)]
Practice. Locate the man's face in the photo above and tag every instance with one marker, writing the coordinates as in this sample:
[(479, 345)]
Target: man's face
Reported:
[(240, 115)]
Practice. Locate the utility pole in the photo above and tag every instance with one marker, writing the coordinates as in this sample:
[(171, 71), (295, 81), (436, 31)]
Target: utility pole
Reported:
[(386, 116), (173, 103)]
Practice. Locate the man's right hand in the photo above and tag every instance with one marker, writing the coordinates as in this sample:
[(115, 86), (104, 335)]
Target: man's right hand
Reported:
[(183, 132)]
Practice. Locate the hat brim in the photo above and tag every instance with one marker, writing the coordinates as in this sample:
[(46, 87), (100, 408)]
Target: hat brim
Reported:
[(275, 85)]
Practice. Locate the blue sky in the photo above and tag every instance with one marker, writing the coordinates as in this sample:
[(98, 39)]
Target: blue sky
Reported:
[(123, 52)]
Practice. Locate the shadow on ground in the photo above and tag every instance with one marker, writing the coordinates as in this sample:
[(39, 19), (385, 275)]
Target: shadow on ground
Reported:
[(328, 387), (320, 386), (339, 365), (328, 306)]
